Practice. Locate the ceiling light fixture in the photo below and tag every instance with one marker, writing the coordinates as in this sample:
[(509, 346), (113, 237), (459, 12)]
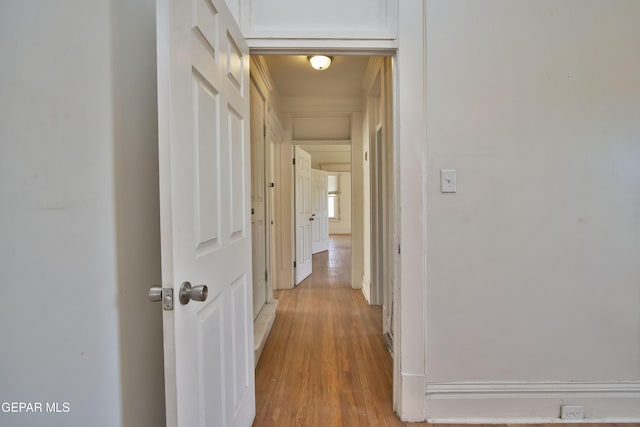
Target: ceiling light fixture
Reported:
[(320, 62)]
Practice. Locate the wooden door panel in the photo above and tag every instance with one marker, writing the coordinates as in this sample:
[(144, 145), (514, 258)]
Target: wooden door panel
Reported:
[(303, 214), (204, 187), (237, 173), (211, 361), (234, 63), (319, 211), (241, 363), (206, 166)]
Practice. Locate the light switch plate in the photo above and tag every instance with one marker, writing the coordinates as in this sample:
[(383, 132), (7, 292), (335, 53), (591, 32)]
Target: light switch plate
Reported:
[(448, 181)]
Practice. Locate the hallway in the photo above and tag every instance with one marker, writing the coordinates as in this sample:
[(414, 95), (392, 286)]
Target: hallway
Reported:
[(325, 362)]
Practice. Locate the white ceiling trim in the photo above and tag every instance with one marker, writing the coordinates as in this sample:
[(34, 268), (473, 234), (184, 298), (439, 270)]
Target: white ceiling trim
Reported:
[(321, 142)]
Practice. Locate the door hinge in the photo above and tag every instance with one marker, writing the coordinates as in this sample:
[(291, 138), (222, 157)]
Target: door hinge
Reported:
[(398, 249), (264, 131), (294, 161), (294, 264), (266, 276)]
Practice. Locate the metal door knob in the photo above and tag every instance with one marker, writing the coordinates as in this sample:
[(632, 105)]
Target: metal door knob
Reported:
[(188, 293)]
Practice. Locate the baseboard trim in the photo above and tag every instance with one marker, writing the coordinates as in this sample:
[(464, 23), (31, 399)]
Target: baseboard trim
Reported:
[(410, 403), (262, 327), (549, 389), (531, 402), (531, 420), (366, 288)]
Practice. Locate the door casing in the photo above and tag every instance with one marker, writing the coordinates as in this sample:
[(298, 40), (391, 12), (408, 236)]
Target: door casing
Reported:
[(279, 47)]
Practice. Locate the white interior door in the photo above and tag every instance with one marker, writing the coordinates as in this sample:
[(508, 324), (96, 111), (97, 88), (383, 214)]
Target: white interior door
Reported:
[(303, 214), (258, 205), (319, 211), (203, 102)]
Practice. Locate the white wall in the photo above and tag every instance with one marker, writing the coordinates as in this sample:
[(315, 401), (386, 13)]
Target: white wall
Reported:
[(135, 169), (358, 19), (78, 213), (532, 267)]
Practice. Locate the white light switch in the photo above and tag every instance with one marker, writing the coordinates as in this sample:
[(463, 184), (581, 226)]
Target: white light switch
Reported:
[(448, 180)]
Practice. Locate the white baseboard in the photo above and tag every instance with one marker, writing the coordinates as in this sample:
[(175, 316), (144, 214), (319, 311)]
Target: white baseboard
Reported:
[(366, 288), (410, 404), (529, 402), (262, 327)]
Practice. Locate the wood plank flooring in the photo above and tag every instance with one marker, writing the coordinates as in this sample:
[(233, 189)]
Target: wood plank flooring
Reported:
[(325, 362)]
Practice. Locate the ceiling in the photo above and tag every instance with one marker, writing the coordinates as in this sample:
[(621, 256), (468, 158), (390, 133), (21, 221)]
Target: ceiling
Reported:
[(293, 76)]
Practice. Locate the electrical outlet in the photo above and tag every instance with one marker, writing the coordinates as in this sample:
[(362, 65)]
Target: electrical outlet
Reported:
[(572, 412)]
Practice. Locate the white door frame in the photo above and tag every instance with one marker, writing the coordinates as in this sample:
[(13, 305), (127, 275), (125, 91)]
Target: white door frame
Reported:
[(410, 174)]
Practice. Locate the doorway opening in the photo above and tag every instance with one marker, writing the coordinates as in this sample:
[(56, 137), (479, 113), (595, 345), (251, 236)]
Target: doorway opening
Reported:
[(323, 165)]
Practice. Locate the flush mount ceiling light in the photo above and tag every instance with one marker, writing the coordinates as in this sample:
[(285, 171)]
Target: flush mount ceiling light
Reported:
[(320, 62)]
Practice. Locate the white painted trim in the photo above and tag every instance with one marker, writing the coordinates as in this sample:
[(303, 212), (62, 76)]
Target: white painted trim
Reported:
[(313, 106), (313, 35), (531, 420), (388, 32), (512, 389), (326, 106), (262, 328), (410, 138), (259, 65), (366, 288), (409, 360), (321, 142), (410, 407), (275, 125), (336, 167), (282, 46), (531, 402), (357, 202), (374, 68)]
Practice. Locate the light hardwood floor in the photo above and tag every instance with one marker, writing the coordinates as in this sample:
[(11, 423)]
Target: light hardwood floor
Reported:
[(325, 362)]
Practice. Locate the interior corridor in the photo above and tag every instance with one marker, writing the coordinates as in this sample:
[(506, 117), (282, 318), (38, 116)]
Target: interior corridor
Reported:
[(325, 362)]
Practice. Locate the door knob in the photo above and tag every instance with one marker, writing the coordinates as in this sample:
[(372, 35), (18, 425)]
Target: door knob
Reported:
[(311, 219), (188, 293)]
